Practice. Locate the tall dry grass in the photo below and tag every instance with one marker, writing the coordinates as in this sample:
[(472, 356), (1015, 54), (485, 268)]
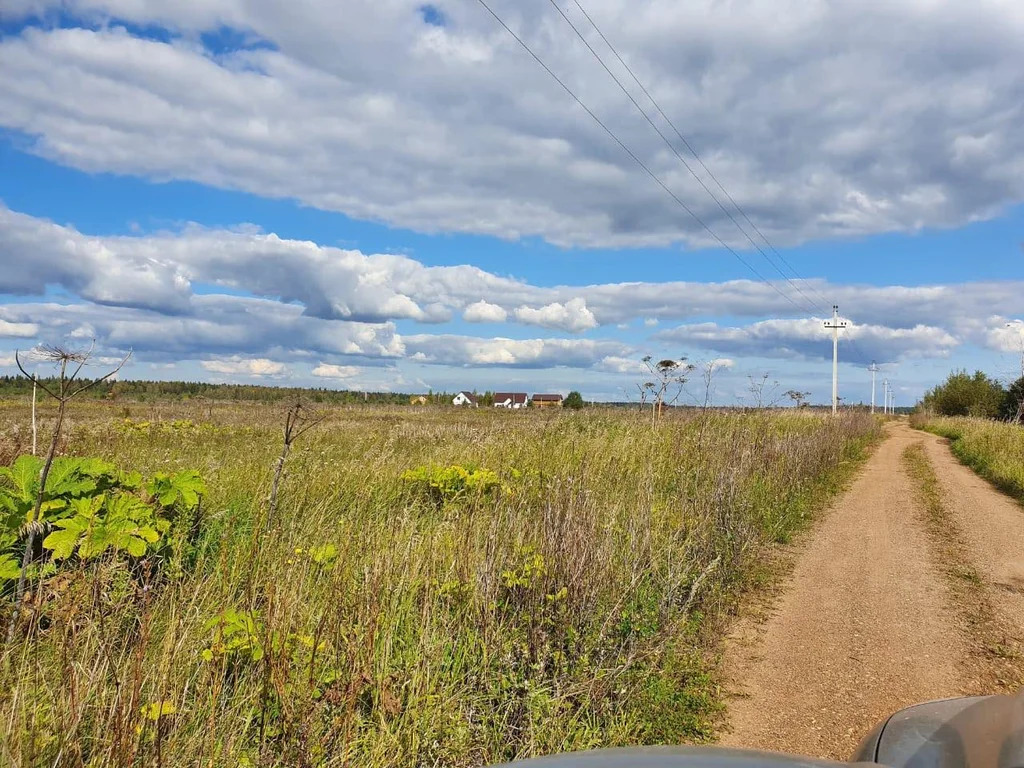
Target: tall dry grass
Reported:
[(572, 607), (993, 449)]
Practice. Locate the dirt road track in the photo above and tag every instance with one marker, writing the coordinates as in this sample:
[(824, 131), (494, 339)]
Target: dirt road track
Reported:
[(865, 624), (992, 526)]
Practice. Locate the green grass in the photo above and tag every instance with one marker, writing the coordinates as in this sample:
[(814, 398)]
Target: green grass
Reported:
[(574, 605), (993, 449)]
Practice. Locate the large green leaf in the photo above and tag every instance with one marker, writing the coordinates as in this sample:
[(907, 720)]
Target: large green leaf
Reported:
[(96, 542), (181, 489), (11, 514), (190, 486), (10, 568), (98, 469), (125, 506), (66, 478), (135, 546), (22, 477), (62, 543), (87, 507)]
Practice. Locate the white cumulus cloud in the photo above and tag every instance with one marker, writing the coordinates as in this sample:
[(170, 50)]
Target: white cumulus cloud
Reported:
[(259, 366), (328, 371), (484, 312), (572, 316), (18, 330)]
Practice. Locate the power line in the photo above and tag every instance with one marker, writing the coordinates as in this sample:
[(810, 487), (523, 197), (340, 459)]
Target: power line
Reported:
[(675, 151), (692, 151), (633, 155), (651, 173)]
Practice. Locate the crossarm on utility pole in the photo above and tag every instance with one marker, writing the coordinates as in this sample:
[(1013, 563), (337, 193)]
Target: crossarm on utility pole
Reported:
[(835, 325)]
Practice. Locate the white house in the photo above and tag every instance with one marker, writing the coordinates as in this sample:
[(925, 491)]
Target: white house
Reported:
[(510, 399), (466, 398)]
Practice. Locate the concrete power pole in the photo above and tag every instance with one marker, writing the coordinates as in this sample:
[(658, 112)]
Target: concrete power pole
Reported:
[(874, 370), (835, 325), (885, 396)]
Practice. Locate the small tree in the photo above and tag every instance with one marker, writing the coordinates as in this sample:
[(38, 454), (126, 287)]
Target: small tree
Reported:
[(964, 394), (1013, 403), (799, 398), (573, 400)]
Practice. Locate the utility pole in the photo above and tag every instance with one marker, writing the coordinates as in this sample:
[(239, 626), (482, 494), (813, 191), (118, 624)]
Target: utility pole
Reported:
[(835, 325), (885, 396), (874, 370)]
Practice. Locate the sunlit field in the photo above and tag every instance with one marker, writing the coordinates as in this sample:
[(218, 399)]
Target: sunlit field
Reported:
[(437, 586)]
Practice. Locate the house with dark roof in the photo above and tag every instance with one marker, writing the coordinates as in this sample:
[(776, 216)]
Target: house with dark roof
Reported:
[(510, 399), (467, 399)]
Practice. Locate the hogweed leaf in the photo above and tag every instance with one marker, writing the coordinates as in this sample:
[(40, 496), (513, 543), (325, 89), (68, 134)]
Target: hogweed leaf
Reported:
[(22, 477), (135, 546), (10, 568), (62, 543)]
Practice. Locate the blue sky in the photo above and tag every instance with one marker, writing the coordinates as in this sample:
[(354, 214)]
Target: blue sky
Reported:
[(402, 199)]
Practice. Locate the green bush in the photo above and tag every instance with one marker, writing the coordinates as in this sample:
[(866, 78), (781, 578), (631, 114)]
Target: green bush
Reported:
[(573, 400), (963, 394)]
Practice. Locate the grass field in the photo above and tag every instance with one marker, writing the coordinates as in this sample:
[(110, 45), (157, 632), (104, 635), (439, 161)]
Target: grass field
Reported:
[(439, 587), (993, 449)]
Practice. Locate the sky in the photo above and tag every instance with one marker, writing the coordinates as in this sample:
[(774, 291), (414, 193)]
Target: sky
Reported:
[(387, 195)]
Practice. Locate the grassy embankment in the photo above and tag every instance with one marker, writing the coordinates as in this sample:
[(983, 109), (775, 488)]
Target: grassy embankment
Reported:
[(993, 449), (567, 601)]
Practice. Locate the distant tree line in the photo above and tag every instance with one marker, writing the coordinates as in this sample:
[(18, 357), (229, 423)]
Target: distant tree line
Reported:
[(12, 386), (964, 394), (141, 391)]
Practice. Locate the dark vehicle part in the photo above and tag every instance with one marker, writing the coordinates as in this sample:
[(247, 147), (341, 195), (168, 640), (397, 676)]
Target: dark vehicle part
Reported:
[(973, 732), (980, 732)]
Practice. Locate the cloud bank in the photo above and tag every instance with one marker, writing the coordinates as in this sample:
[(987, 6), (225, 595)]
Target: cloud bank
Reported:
[(822, 119)]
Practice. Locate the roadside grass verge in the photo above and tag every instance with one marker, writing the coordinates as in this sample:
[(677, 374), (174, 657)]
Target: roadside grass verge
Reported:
[(993, 449), (441, 588), (996, 655)]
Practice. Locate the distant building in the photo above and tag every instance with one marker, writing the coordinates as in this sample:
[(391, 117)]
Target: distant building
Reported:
[(510, 399), (467, 399), (418, 400), (547, 401)]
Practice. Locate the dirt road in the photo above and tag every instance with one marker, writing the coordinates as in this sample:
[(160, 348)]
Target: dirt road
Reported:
[(866, 623)]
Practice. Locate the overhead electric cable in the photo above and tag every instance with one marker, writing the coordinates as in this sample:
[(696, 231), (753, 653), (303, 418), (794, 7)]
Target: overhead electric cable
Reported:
[(691, 149), (634, 156), (858, 352), (675, 151)]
